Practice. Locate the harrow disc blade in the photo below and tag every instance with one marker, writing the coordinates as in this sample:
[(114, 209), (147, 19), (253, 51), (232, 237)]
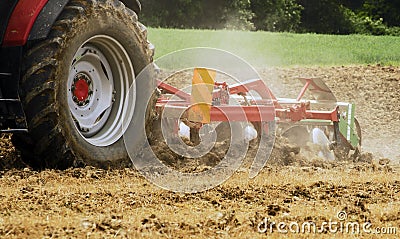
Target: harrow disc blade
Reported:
[(319, 138)]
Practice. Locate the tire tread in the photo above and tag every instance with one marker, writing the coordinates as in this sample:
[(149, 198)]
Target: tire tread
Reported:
[(49, 148)]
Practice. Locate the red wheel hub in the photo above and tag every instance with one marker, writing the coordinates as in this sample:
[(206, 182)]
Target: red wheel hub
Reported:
[(81, 91)]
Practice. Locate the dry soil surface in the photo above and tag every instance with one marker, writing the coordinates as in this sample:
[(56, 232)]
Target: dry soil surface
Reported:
[(94, 203)]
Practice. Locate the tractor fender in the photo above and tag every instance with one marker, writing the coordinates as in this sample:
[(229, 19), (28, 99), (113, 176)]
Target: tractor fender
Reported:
[(52, 10), (48, 15)]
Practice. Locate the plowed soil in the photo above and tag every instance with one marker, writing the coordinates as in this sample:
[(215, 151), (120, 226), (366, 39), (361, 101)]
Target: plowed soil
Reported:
[(94, 203)]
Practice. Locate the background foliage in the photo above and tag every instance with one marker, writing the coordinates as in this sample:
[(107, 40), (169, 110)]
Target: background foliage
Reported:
[(370, 17)]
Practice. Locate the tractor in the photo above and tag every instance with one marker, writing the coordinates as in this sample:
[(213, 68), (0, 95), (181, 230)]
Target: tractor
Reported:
[(65, 69)]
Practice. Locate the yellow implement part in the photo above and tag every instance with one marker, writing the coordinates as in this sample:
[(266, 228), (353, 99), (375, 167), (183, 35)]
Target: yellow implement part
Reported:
[(201, 101)]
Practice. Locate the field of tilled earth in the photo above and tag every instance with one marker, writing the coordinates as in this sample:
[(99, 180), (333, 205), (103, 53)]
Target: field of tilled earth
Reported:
[(289, 196)]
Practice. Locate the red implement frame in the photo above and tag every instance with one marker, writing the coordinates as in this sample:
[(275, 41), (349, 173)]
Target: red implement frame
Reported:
[(266, 110)]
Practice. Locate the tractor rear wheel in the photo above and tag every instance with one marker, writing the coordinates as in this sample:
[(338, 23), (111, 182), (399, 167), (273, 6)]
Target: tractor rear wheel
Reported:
[(75, 86)]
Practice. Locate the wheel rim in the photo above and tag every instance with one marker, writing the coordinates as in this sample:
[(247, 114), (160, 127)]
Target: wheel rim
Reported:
[(100, 76)]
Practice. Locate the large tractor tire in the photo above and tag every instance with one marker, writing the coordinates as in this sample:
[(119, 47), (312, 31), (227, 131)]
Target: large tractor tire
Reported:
[(75, 83)]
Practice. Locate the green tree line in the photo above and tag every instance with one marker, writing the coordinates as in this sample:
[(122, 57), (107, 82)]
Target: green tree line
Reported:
[(374, 17)]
